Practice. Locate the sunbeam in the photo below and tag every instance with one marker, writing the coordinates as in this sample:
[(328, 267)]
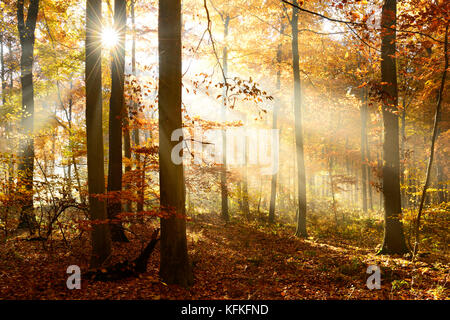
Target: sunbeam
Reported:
[(110, 38)]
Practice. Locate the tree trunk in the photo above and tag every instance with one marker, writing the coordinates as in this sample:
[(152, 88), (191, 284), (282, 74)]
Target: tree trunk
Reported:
[(333, 197), (26, 30), (175, 267), (127, 153), (101, 240), (273, 190), (2, 60), (433, 141), (245, 203), (223, 172), (369, 184), (442, 182), (116, 115), (394, 240), (135, 132), (364, 149), (403, 183), (301, 177), (126, 118)]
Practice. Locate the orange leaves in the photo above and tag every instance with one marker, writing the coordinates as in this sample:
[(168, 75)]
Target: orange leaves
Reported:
[(355, 15), (362, 85)]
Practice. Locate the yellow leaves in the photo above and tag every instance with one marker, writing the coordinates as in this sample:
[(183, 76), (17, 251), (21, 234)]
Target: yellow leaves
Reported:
[(428, 83)]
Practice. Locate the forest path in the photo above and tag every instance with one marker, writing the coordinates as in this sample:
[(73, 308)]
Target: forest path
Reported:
[(238, 260)]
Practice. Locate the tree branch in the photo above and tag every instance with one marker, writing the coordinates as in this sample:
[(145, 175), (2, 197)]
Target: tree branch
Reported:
[(346, 22)]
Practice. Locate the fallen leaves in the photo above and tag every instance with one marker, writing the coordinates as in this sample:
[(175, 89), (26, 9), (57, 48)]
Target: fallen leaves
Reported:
[(273, 265)]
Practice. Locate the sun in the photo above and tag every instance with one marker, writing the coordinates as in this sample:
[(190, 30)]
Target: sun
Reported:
[(110, 38)]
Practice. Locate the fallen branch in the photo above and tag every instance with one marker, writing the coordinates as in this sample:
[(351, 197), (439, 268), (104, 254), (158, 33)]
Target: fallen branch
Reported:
[(125, 269)]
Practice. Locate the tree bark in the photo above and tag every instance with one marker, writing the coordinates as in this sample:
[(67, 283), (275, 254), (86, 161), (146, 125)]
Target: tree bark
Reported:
[(403, 183), (126, 132), (245, 202), (301, 176), (101, 241), (394, 240), (116, 115), (223, 172), (2, 60), (273, 184), (364, 149), (175, 267), (369, 184), (433, 142), (26, 30)]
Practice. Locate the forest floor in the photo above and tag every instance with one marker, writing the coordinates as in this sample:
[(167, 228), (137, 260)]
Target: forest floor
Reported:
[(237, 260)]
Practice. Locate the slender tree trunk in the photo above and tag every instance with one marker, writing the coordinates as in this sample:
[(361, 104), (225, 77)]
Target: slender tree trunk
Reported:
[(133, 106), (364, 150), (116, 115), (369, 184), (245, 199), (175, 267), (3, 86), (301, 177), (101, 241), (394, 240), (403, 183), (11, 131), (127, 154), (433, 141), (26, 164), (258, 209), (2, 60), (333, 197), (273, 184), (223, 172), (126, 132), (126, 122), (357, 191), (442, 182), (135, 132), (239, 191)]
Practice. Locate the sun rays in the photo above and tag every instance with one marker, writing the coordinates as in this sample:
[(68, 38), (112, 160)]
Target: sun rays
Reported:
[(110, 38)]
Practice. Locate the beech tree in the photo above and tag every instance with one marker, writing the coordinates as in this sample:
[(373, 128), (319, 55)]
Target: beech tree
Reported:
[(175, 267), (116, 116), (26, 28), (101, 238), (394, 240), (301, 174), (276, 107)]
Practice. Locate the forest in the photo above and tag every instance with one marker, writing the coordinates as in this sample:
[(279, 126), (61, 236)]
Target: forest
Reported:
[(224, 150)]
